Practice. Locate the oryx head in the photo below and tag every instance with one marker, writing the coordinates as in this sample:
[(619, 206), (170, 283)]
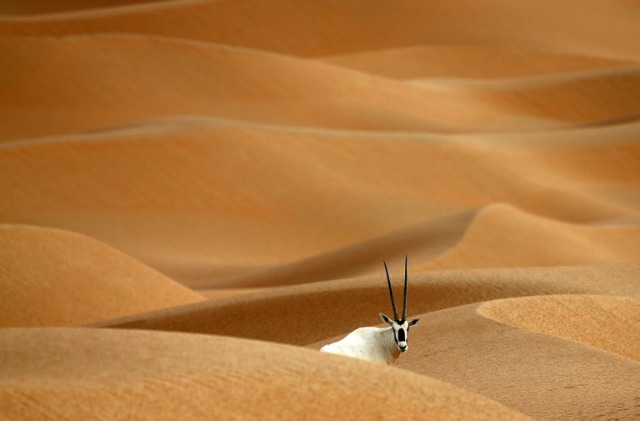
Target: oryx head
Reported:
[(400, 326)]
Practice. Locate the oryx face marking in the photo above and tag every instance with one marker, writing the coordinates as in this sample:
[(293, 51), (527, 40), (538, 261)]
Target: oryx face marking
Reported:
[(400, 326), (400, 331)]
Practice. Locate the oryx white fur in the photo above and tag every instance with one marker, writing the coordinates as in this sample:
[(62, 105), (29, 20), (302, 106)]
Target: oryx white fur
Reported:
[(380, 345)]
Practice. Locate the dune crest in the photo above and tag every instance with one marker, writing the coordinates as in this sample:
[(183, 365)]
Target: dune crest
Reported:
[(603, 28), (143, 84), (80, 372), (580, 98), (170, 200), (470, 62), (356, 302), (17, 8), (58, 278), (543, 376), (539, 242), (610, 323)]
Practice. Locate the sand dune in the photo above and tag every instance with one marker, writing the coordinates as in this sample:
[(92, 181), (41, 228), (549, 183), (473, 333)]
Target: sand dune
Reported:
[(57, 278), (423, 242), (169, 201), (198, 194), (480, 239), (356, 302), (582, 98), (470, 62), (610, 323), (543, 376), (143, 83), (601, 28), (80, 372), (18, 8), (529, 371), (489, 242)]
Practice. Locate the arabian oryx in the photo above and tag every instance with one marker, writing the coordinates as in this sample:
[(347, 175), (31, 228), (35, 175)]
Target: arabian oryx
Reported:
[(378, 344)]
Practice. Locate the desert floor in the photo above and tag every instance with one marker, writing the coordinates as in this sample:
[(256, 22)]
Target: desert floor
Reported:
[(196, 195)]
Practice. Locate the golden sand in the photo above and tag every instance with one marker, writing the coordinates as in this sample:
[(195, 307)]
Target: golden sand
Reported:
[(196, 195)]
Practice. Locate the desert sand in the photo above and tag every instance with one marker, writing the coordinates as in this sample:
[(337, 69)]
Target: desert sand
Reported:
[(197, 195)]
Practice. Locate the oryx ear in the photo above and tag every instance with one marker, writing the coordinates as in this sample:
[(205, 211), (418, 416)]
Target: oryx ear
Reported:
[(414, 322), (385, 319)]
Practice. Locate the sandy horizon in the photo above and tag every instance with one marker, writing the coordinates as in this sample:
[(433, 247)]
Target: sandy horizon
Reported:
[(198, 195)]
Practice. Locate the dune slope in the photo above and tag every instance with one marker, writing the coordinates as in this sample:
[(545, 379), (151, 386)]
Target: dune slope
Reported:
[(541, 375), (325, 309), (470, 62), (610, 323), (77, 373), (124, 78), (489, 242), (17, 8), (50, 277), (544, 376), (168, 193), (606, 28)]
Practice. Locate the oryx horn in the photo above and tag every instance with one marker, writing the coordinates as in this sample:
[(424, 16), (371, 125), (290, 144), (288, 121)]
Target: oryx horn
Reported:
[(393, 301), (404, 304)]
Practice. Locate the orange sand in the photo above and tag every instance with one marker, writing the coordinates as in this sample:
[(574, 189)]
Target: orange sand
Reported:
[(83, 372), (57, 278), (611, 323), (196, 195)]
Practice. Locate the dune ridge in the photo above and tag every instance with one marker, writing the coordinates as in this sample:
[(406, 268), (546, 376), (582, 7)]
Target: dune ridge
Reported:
[(543, 376), (356, 302), (11, 8), (579, 98), (453, 243), (471, 62), (128, 374), (610, 323), (183, 228), (56, 278), (518, 361), (289, 90), (577, 244), (329, 29)]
